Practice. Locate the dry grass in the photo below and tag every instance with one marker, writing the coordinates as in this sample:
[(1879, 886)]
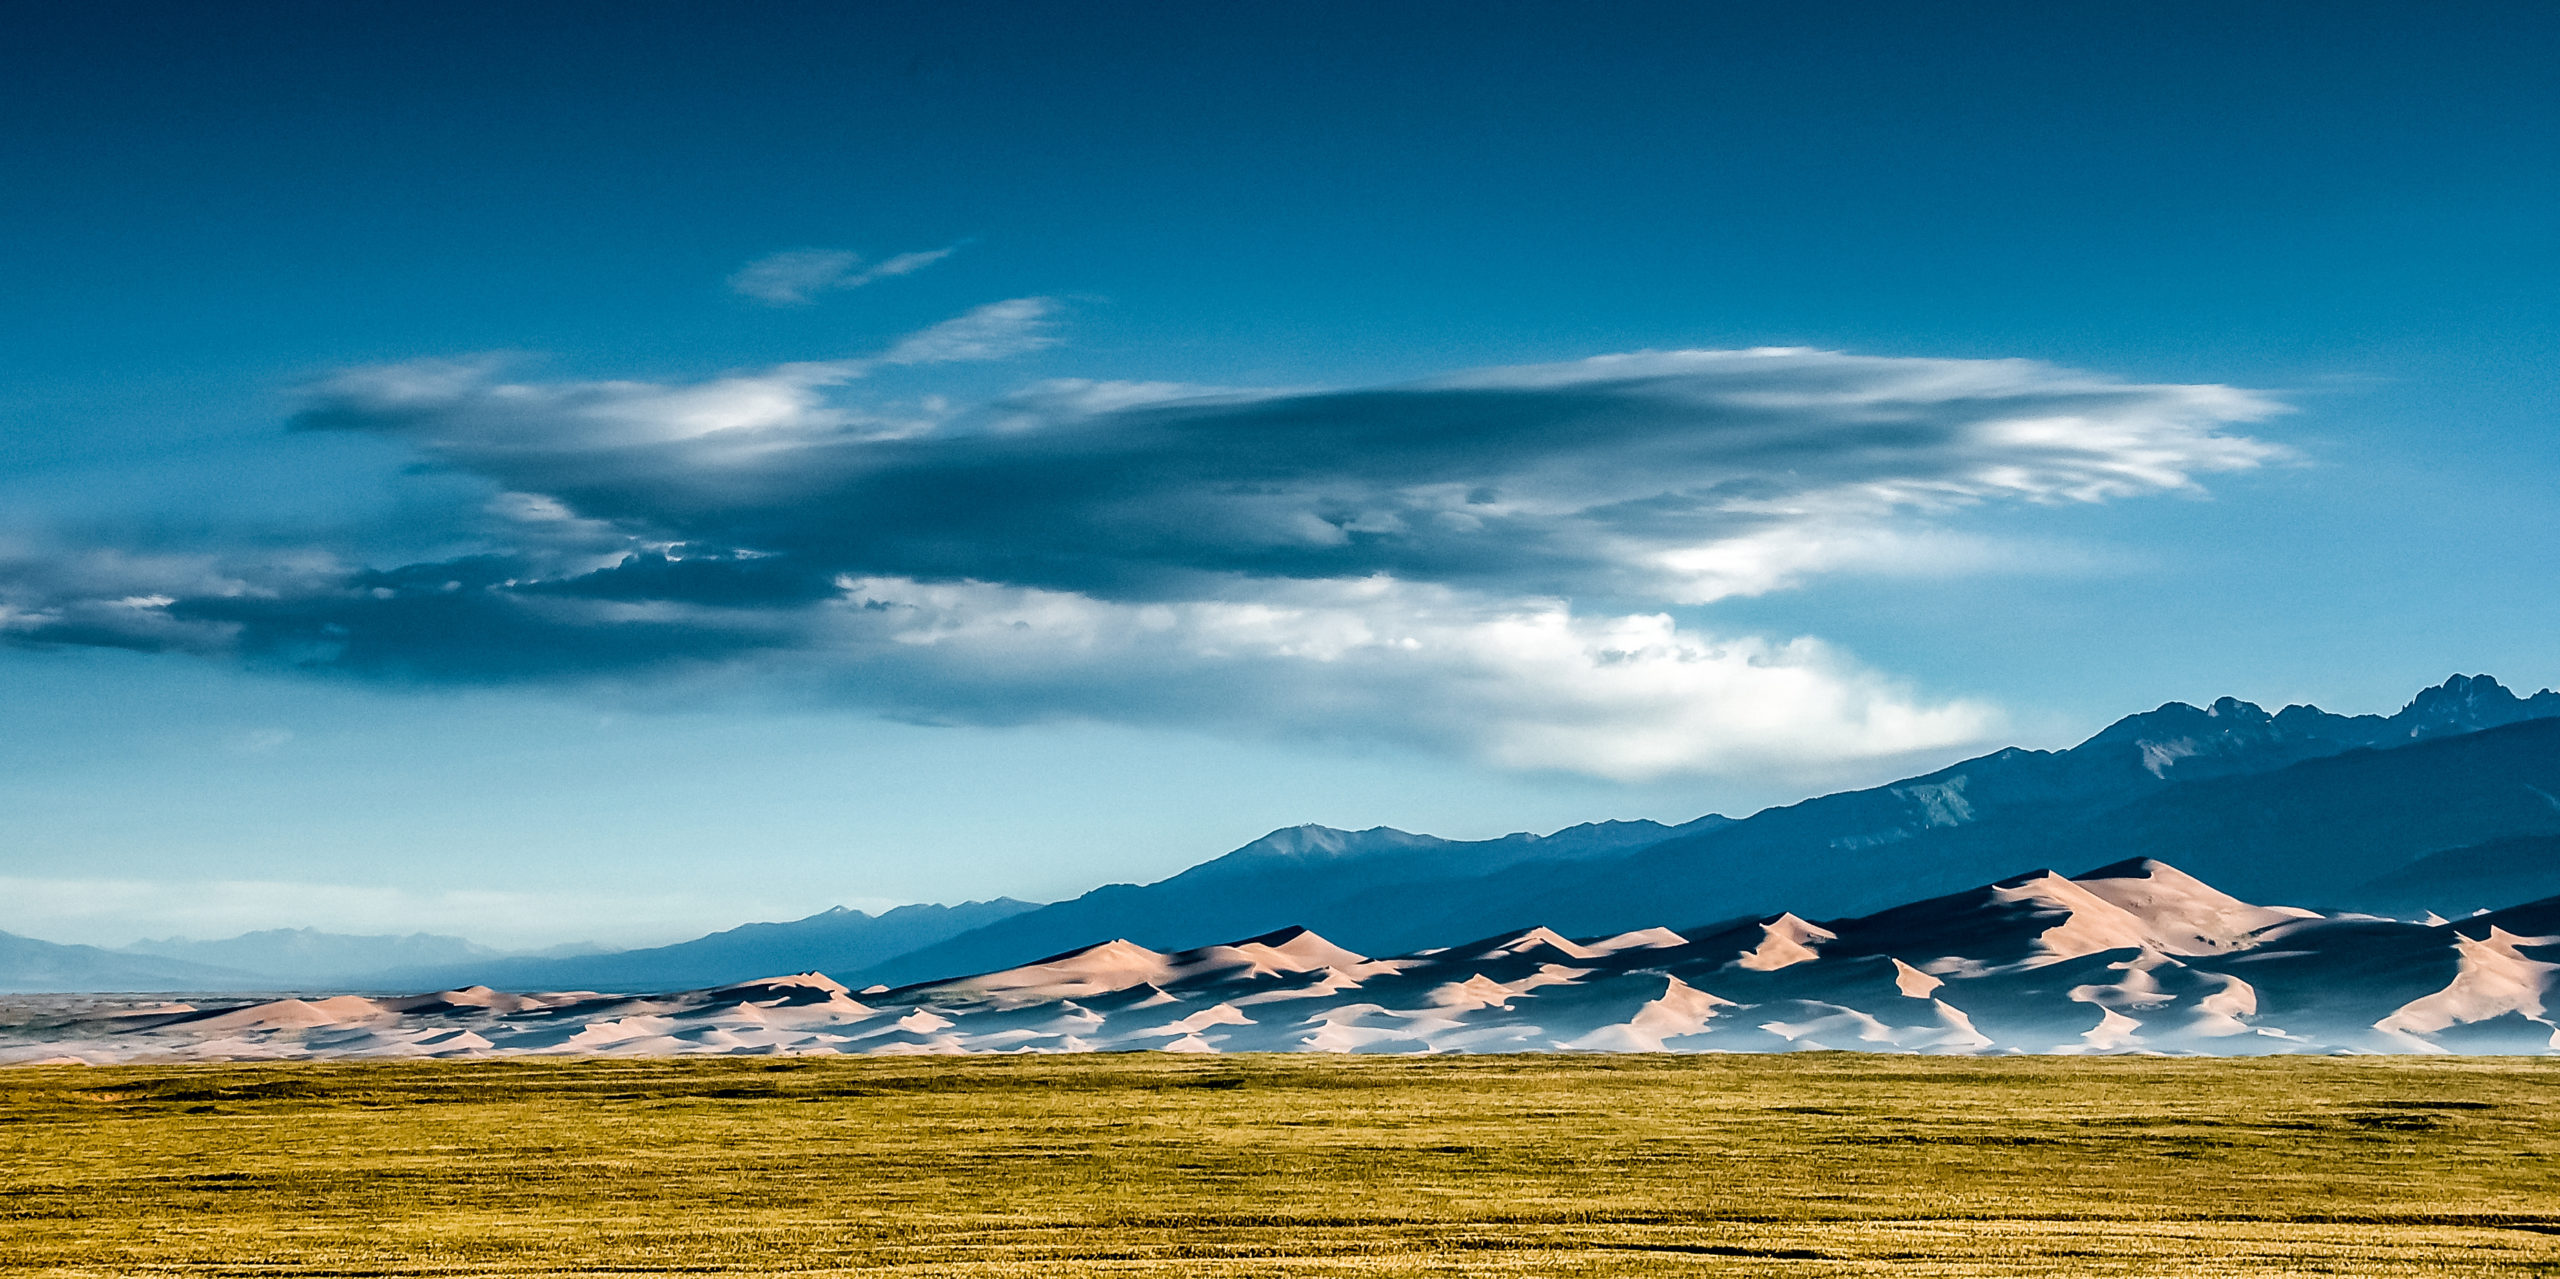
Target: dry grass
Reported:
[(1151, 1166)]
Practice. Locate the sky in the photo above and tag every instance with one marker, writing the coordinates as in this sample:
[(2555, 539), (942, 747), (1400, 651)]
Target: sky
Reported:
[(613, 472)]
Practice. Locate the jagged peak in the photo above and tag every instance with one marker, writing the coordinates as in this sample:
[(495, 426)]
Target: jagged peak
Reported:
[(2460, 697), (2462, 687), (2230, 730), (2169, 718)]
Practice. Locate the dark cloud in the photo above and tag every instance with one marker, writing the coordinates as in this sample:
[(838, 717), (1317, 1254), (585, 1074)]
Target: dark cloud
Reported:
[(1429, 554), (1586, 481)]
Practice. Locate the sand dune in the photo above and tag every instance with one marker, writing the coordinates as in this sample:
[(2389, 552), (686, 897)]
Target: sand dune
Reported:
[(2495, 978), (2181, 914), (2135, 957), (1783, 941)]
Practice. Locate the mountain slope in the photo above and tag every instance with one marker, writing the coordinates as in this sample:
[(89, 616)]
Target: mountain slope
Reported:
[(2458, 881), (1361, 886), (2194, 786), (306, 958), (28, 965), (1844, 852), (2319, 829), (839, 940), (2184, 782)]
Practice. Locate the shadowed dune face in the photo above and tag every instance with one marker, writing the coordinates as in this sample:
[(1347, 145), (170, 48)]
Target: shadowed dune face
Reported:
[(2136, 957)]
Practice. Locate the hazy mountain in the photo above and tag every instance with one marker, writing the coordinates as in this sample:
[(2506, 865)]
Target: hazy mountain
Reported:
[(838, 940), (1361, 886), (306, 958), (2132, 957), (28, 965)]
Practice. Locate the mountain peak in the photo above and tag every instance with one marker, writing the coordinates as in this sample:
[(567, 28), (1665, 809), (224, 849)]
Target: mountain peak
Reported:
[(1312, 840), (2231, 735), (2461, 703)]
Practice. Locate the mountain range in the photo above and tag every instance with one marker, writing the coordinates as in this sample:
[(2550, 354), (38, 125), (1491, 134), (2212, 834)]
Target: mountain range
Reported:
[(315, 958), (30, 965), (2135, 956), (2448, 806)]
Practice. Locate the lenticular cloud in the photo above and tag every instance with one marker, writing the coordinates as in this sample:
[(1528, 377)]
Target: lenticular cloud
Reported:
[(1481, 561)]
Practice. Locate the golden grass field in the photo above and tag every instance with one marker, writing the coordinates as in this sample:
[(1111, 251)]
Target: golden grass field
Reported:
[(1820, 1164)]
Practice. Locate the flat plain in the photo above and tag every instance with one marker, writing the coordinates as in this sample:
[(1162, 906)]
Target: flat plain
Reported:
[(1153, 1165)]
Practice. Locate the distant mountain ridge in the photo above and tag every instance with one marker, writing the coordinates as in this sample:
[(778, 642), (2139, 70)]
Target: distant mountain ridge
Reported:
[(2236, 736), (2316, 828), (309, 960), (2446, 805), (841, 939), (1837, 853), (1350, 883), (2132, 957), (300, 958), (29, 966)]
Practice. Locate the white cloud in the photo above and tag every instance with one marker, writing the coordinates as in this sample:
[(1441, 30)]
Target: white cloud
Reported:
[(1525, 685), (905, 264), (791, 278), (469, 407), (996, 331), (260, 741), (795, 277)]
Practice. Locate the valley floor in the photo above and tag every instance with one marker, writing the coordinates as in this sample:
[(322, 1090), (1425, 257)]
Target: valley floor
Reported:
[(1148, 1165)]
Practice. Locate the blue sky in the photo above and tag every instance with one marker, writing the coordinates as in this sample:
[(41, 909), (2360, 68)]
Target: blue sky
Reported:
[(887, 454)]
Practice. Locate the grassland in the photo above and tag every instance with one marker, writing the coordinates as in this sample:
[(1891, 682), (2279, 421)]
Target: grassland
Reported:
[(1152, 1166)]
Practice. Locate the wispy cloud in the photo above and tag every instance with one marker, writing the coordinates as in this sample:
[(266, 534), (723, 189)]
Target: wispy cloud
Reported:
[(996, 331), (796, 277), (1478, 562)]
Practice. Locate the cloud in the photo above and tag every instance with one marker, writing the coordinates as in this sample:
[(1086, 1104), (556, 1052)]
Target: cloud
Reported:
[(1665, 478), (996, 331), (1523, 685), (1480, 562), (795, 277), (260, 741)]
